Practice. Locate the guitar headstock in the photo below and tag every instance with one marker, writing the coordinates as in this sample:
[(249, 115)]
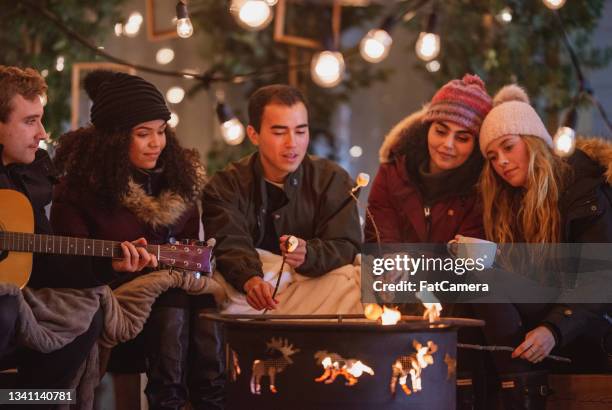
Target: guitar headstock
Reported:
[(187, 256)]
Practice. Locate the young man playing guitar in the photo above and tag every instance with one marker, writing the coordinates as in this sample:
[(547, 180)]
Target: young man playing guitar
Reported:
[(27, 169)]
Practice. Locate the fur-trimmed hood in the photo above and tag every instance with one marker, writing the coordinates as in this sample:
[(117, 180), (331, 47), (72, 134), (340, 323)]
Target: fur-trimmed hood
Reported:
[(598, 150), (403, 129), (164, 209)]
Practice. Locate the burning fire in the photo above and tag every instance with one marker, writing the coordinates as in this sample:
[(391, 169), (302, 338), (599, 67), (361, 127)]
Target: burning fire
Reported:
[(432, 311), (412, 365), (388, 316)]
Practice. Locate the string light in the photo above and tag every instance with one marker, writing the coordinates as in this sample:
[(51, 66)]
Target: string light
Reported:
[(174, 119), (356, 151), (375, 46), (132, 27), (327, 68), (175, 95), (232, 129), (564, 141), (59, 63), (428, 43), (164, 56), (184, 28), (505, 15), (433, 66), (118, 29), (554, 4), (251, 14)]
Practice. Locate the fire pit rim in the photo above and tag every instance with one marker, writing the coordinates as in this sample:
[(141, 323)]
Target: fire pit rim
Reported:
[(324, 321)]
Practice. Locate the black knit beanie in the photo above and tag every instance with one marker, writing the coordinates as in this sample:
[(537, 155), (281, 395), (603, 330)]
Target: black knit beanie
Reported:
[(121, 101)]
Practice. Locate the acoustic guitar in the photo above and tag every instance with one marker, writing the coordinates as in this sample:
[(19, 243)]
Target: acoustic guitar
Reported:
[(18, 242)]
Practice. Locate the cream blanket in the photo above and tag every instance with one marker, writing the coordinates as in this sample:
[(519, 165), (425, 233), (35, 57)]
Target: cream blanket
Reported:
[(51, 318), (338, 291)]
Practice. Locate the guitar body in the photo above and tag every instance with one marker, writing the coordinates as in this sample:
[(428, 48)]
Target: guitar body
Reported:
[(18, 241), (16, 215)]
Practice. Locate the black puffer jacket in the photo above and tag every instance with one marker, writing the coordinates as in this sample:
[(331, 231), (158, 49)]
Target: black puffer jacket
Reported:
[(586, 217)]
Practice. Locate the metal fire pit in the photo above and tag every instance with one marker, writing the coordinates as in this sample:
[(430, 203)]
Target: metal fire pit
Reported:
[(311, 362)]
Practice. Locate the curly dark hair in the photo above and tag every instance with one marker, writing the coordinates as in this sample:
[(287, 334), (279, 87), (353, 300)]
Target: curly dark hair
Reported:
[(94, 162)]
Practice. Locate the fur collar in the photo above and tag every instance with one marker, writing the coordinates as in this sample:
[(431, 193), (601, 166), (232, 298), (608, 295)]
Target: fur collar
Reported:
[(162, 210), (600, 151), (165, 209), (403, 129)]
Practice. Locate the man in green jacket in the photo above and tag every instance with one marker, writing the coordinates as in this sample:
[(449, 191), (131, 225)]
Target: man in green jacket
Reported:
[(259, 201)]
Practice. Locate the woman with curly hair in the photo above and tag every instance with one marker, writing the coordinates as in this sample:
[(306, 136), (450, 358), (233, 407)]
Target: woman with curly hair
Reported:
[(127, 177), (530, 195)]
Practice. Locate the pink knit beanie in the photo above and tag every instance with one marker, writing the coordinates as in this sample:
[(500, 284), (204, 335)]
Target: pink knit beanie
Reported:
[(512, 115), (464, 102)]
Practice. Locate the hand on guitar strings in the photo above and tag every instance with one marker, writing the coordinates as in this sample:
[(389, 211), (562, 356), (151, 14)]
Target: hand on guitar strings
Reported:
[(135, 257)]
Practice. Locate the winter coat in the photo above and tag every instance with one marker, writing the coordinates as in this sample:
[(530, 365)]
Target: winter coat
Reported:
[(318, 209), (396, 198), (146, 211), (586, 217), (35, 181)]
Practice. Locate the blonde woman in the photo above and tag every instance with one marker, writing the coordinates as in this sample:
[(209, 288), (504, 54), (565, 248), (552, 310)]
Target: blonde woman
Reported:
[(530, 195)]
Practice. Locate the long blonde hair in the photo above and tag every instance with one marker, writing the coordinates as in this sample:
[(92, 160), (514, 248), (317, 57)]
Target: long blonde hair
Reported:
[(514, 214)]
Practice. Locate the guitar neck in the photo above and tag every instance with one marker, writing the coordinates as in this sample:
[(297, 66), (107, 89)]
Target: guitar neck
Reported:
[(62, 245)]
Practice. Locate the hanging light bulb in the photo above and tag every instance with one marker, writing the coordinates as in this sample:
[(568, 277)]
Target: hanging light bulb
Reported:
[(428, 43), (564, 141), (174, 119), (232, 129), (433, 66), (184, 28), (327, 68), (59, 63), (132, 27), (554, 4), (118, 29), (375, 46), (164, 56), (175, 95), (505, 15), (251, 14)]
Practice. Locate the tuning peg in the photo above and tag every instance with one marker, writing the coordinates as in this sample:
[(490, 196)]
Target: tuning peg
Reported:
[(185, 241), (200, 243), (172, 240)]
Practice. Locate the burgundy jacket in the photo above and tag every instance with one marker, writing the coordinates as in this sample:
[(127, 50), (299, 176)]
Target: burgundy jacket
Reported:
[(396, 202), (85, 217)]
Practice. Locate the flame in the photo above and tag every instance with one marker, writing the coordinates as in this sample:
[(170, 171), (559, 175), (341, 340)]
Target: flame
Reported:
[(390, 316), (432, 311), (372, 311)]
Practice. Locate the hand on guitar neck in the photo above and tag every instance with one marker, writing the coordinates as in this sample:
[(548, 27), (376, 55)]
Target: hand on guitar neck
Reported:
[(135, 257)]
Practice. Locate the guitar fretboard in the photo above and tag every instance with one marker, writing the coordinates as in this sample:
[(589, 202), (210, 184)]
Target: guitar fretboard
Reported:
[(62, 245)]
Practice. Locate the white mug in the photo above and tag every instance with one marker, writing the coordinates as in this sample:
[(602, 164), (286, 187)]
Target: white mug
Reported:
[(465, 247)]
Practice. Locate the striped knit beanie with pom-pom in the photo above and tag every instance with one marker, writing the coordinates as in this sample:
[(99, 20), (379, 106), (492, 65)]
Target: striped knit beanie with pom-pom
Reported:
[(512, 115), (464, 102)]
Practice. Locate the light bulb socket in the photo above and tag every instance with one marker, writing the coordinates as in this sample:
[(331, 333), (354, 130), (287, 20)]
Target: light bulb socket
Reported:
[(388, 23), (181, 10), (224, 112), (571, 118), (432, 22)]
